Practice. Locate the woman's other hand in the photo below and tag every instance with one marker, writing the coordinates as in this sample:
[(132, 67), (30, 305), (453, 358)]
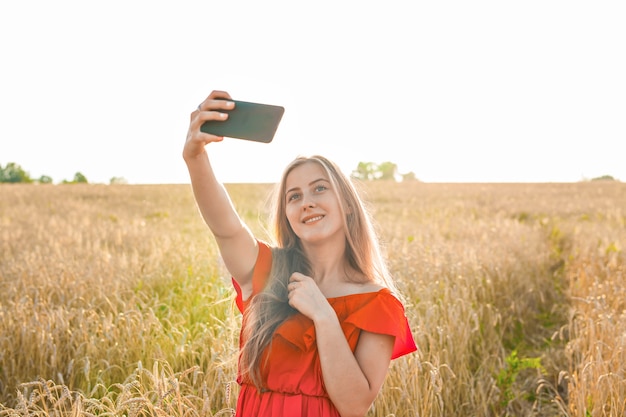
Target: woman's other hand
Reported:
[(306, 297)]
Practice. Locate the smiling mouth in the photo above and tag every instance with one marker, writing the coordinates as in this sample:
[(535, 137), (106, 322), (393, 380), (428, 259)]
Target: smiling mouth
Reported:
[(313, 219)]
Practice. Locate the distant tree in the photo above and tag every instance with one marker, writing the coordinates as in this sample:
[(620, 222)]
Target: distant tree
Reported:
[(604, 178), (409, 176), (14, 173), (45, 179), (388, 171), (365, 171), (370, 171), (118, 180), (79, 178)]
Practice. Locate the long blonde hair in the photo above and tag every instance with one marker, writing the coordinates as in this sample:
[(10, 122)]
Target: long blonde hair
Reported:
[(268, 309)]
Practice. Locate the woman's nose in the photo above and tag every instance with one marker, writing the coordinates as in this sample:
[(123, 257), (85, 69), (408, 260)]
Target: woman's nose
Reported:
[(308, 202)]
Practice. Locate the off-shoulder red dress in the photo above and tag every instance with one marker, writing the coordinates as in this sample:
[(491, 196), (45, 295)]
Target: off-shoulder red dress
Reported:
[(293, 375)]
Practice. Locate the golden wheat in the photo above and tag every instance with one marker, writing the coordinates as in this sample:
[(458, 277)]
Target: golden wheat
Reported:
[(114, 301)]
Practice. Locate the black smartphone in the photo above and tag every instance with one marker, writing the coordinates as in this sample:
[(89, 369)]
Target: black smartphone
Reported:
[(249, 121)]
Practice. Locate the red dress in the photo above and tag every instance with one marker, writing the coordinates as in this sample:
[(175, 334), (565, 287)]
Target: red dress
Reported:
[(293, 376)]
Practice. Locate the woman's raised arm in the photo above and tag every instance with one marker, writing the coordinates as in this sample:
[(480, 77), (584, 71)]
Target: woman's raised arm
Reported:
[(237, 245)]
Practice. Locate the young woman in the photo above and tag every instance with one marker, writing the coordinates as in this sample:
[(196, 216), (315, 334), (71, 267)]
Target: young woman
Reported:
[(321, 316)]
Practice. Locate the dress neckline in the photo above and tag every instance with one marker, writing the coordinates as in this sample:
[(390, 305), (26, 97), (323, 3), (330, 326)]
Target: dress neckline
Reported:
[(384, 289)]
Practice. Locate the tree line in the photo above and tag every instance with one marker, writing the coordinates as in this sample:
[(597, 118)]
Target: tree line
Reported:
[(14, 173), (386, 171), (365, 171)]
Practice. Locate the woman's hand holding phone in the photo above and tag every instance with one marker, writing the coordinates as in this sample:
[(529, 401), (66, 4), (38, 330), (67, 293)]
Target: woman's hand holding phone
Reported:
[(209, 110)]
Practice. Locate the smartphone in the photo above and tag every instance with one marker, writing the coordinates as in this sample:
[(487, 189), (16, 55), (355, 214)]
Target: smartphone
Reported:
[(250, 121)]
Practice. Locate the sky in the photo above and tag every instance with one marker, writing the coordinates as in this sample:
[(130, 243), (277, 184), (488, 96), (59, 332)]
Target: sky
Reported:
[(452, 91)]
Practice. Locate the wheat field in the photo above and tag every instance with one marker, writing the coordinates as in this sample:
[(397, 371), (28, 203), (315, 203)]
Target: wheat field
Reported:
[(114, 301)]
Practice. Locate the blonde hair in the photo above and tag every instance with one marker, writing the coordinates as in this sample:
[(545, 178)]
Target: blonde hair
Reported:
[(268, 309)]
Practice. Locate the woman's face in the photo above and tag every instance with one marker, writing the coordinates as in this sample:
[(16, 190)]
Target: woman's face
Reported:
[(311, 205)]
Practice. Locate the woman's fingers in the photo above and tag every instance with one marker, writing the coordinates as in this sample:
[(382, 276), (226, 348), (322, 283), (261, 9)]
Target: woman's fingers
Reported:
[(305, 296), (217, 100), (294, 286), (296, 280), (209, 110), (297, 277)]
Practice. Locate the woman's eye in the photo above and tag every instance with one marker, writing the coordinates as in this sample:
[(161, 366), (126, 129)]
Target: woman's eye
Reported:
[(293, 196), (319, 188)]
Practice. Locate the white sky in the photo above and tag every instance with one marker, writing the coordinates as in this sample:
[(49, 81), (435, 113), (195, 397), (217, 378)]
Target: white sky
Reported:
[(461, 91)]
